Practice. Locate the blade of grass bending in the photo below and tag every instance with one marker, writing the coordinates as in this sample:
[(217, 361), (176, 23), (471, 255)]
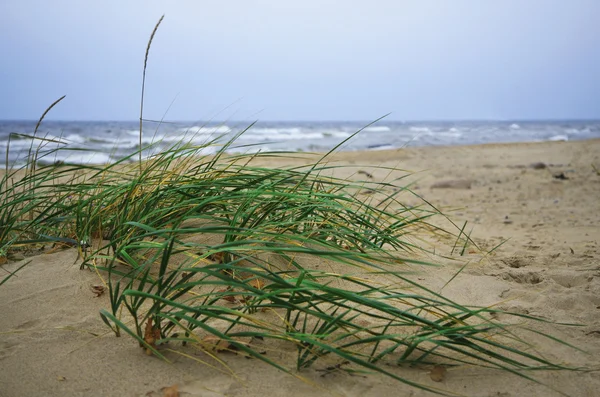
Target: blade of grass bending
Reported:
[(463, 267), (350, 357), (460, 233), (447, 218), (11, 274), (37, 126)]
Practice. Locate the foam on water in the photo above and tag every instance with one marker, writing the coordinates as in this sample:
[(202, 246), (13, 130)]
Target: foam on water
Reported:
[(382, 147), (382, 128), (419, 129), (275, 131), (77, 157), (336, 134), (558, 138), (74, 138), (222, 129)]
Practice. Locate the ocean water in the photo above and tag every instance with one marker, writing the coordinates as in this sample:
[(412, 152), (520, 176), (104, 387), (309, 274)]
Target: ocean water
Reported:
[(109, 141)]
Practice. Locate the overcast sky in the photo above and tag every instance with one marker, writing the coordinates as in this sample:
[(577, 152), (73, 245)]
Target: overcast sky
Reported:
[(302, 59)]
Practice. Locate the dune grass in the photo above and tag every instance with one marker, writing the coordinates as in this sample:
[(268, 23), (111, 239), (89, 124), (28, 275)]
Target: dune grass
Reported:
[(216, 252)]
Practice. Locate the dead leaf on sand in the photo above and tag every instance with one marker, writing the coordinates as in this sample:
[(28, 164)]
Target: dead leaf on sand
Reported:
[(438, 373), (257, 283), (151, 335), (98, 290), (217, 257), (171, 391), (228, 298), (216, 344)]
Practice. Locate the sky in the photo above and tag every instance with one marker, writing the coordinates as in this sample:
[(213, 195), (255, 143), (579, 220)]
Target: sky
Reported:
[(301, 60)]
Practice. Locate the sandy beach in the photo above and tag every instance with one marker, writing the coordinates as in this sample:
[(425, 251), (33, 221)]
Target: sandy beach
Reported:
[(538, 203)]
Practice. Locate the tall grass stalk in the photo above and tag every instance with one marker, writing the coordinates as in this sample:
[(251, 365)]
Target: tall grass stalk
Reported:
[(144, 86)]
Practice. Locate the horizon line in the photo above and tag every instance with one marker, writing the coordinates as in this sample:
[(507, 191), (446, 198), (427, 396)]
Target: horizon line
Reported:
[(405, 121)]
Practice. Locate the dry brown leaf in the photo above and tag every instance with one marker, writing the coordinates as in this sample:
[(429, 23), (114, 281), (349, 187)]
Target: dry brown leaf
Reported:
[(215, 343), (217, 257), (228, 298), (98, 290), (257, 283), (171, 391), (151, 335), (438, 373)]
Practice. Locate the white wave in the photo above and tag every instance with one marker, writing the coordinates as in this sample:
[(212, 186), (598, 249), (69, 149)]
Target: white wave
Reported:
[(382, 128), (111, 145), (448, 134), (250, 149), (79, 157), (290, 133), (43, 141), (276, 131), (281, 137), (572, 131), (74, 138), (127, 140), (197, 150), (424, 131), (559, 138), (419, 129), (184, 138), (306, 135), (222, 129), (130, 139), (515, 127), (19, 144), (382, 147), (335, 134)]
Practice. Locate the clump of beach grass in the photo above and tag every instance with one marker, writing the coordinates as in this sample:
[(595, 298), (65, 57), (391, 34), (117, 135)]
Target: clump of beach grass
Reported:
[(214, 252)]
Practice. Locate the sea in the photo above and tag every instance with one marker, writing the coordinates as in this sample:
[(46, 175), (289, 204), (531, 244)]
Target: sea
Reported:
[(100, 142)]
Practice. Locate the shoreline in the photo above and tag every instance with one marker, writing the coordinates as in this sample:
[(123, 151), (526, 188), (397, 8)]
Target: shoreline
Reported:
[(111, 141)]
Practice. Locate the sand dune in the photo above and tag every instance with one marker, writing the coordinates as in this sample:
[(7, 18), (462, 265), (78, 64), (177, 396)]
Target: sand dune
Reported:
[(540, 201)]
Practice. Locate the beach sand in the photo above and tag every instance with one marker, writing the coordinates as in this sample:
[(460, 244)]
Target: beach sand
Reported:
[(53, 342)]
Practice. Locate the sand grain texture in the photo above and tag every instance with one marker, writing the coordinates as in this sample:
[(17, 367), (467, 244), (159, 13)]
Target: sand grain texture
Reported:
[(53, 342)]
